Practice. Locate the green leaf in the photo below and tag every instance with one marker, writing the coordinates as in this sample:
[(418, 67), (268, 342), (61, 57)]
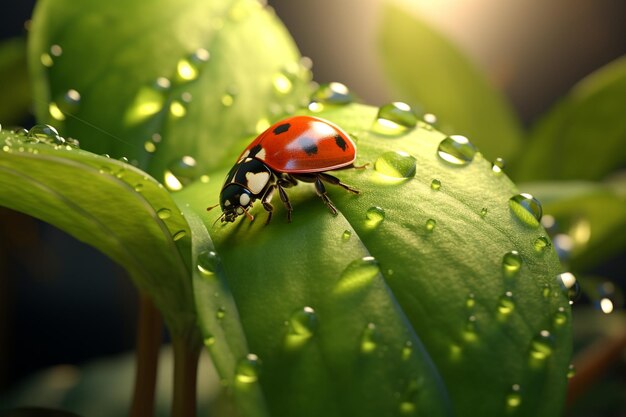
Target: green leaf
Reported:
[(110, 205), (420, 329), (162, 80), (593, 214), (14, 83), (583, 136), (431, 72)]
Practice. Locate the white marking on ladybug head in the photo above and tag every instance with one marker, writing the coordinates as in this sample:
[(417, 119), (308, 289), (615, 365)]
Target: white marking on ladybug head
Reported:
[(239, 210), (260, 154), (244, 156), (248, 160), (244, 199), (226, 203), (256, 181)]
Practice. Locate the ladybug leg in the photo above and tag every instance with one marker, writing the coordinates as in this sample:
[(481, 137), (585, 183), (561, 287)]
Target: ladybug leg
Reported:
[(281, 185), (321, 191), (335, 181), (267, 205)]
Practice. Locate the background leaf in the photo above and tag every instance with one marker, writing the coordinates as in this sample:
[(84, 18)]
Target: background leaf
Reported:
[(428, 309), (583, 136), (593, 214), (429, 71), (110, 205), (174, 78), (15, 100)]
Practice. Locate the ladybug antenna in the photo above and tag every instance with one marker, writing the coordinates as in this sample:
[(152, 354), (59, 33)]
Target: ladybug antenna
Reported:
[(212, 207), (218, 219), (248, 215)]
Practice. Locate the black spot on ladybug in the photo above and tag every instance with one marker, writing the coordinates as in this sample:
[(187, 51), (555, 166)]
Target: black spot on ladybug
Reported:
[(340, 142), (281, 128), (255, 150), (308, 146)]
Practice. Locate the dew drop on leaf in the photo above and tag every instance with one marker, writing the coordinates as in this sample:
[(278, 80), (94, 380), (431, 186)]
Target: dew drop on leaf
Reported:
[(220, 313), (394, 119), (483, 212), (526, 208), (374, 216), (571, 371), (333, 93), (282, 84), (303, 322), (149, 146), (560, 317), (498, 166), (357, 274), (541, 346), (179, 235), (248, 369), (188, 69), (396, 164), (506, 304), (435, 184), (511, 263), (43, 133), (569, 286), (470, 302), (208, 341), (456, 150), (514, 398), (207, 262), (407, 349), (164, 213), (541, 244), (346, 235), (369, 339)]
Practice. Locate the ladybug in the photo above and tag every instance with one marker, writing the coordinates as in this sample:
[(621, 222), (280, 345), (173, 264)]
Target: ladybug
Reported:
[(299, 148)]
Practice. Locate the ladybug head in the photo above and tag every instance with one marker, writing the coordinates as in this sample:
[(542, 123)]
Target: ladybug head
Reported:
[(235, 200)]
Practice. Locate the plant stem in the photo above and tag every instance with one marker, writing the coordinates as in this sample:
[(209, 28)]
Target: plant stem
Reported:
[(186, 355), (149, 333)]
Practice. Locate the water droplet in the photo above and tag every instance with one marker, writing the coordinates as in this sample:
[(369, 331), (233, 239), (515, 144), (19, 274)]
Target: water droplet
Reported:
[(546, 290), (184, 169), (171, 182), (207, 262), (220, 313), (357, 274), (282, 84), (46, 60), (303, 322), (430, 118), (456, 150), (248, 369), (526, 208), (396, 164), (177, 109), (407, 349), (430, 225), (188, 69), (435, 184), (541, 243), (205, 179), (541, 346), (138, 187), (209, 341), (55, 111), (471, 301), (506, 305), (569, 286), (227, 100), (560, 317), (571, 371), (56, 50), (179, 235), (498, 166), (395, 119), (43, 133), (332, 93), (346, 235), (148, 101), (511, 263), (369, 339), (149, 146), (513, 398), (374, 216), (483, 212), (164, 213)]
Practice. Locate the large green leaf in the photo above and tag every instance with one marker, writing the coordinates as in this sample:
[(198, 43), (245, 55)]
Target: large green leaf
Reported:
[(428, 70), (159, 80), (427, 320), (14, 85), (583, 136), (592, 214)]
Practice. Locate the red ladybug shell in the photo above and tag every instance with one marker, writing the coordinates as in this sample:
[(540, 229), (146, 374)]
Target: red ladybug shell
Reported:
[(302, 144)]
